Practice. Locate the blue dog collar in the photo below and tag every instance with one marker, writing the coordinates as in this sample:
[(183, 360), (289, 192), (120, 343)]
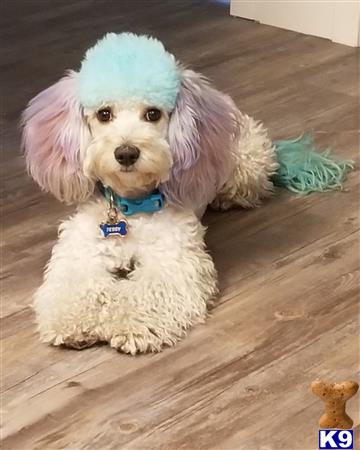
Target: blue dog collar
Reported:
[(151, 203)]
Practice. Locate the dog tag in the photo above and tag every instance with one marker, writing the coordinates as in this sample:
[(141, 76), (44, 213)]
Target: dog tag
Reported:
[(113, 226), (114, 229)]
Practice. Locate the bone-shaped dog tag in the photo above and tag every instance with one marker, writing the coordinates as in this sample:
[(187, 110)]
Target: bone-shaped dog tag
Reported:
[(113, 226)]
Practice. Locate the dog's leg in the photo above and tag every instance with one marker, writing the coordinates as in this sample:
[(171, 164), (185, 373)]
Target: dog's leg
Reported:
[(255, 163), (173, 282), (76, 283)]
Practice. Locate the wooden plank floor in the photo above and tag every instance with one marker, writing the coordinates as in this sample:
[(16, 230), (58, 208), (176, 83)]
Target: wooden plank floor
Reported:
[(289, 271)]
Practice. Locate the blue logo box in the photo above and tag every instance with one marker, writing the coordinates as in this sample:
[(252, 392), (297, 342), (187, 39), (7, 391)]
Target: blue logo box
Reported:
[(336, 439)]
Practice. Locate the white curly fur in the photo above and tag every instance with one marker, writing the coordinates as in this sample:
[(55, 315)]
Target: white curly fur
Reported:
[(86, 296), (255, 163)]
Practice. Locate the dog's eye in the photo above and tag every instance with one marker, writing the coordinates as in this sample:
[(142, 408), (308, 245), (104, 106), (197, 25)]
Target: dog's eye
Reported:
[(104, 114), (152, 115)]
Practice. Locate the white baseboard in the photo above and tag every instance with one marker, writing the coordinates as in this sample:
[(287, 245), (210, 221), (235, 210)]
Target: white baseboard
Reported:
[(338, 21)]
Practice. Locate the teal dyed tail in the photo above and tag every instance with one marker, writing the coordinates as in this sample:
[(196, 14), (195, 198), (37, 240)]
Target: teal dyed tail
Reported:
[(304, 170)]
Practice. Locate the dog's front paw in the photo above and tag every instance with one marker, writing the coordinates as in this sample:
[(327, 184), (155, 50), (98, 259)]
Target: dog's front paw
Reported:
[(67, 328), (141, 341), (68, 338), (67, 318), (136, 331), (134, 343)]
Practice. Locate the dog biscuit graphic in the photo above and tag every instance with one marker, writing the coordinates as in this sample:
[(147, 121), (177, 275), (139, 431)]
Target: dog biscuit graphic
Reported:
[(335, 396)]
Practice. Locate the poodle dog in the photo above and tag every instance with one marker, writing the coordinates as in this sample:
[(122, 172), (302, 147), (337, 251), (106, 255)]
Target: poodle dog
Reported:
[(142, 145)]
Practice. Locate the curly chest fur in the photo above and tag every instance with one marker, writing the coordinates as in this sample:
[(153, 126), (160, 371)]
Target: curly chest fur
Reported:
[(137, 293), (151, 238)]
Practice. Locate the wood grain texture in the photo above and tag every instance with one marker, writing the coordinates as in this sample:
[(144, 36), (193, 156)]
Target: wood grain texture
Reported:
[(289, 271)]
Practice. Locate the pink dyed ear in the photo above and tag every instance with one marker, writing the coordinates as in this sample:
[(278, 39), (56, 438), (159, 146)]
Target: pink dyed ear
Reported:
[(202, 132), (53, 132)]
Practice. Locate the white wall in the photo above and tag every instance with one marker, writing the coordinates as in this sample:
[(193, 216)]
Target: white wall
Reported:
[(338, 21)]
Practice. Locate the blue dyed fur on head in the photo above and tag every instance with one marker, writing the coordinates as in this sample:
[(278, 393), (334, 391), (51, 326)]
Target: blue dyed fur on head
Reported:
[(129, 67)]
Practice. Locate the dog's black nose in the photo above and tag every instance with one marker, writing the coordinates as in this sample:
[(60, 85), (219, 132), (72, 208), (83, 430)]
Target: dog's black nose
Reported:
[(127, 155)]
